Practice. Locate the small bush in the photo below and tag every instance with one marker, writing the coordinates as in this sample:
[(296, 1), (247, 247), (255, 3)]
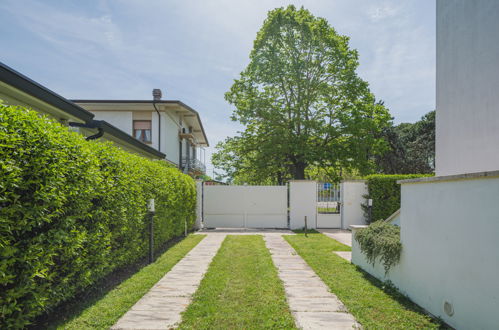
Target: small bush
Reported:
[(380, 240), (385, 193), (72, 211)]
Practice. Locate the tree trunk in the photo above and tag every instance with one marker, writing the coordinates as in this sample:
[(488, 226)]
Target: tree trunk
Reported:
[(299, 168), (279, 179)]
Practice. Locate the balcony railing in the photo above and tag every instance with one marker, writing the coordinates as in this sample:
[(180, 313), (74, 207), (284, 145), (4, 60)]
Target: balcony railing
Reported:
[(193, 165)]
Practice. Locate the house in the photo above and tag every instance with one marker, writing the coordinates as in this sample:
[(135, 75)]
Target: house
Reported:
[(449, 224), (170, 127), (17, 89)]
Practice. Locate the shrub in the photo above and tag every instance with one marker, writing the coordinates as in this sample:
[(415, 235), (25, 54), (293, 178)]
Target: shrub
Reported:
[(380, 240), (72, 211), (385, 193)]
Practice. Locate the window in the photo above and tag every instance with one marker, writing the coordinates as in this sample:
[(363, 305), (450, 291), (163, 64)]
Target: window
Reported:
[(142, 130)]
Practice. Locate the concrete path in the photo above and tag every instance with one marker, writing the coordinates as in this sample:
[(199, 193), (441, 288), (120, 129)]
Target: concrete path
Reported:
[(347, 255), (162, 306), (312, 304), (342, 236)]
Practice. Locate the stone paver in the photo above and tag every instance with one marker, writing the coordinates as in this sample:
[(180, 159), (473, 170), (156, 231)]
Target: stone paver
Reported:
[(312, 304), (342, 236), (162, 306), (347, 255)]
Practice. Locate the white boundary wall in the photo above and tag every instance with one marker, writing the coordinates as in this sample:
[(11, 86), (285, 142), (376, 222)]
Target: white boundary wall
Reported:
[(245, 207), (302, 202), (331, 220), (267, 206), (199, 204), (450, 244), (352, 196)]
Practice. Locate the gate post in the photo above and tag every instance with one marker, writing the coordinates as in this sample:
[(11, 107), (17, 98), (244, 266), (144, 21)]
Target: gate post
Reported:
[(302, 203), (199, 204), (352, 196)]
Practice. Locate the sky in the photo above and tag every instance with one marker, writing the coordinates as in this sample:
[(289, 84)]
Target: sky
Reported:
[(194, 49)]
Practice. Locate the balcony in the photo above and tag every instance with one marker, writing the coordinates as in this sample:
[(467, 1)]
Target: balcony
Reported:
[(193, 166)]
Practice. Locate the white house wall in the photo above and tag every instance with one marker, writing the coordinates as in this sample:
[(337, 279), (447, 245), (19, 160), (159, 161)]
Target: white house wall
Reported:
[(170, 138), (467, 121), (122, 119), (449, 235), (154, 132)]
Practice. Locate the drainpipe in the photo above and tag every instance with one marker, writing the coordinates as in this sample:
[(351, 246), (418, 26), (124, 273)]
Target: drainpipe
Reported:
[(156, 94), (91, 124)]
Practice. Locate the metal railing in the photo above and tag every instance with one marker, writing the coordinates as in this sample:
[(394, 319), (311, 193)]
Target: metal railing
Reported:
[(193, 165), (328, 198)]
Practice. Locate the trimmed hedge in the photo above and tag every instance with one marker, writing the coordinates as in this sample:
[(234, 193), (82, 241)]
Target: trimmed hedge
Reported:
[(72, 211), (385, 192)]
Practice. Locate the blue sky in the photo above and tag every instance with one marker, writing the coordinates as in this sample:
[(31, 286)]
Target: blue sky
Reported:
[(193, 49)]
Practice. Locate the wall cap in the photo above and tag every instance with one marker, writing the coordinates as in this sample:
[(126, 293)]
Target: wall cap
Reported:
[(355, 227), (302, 180), (457, 177)]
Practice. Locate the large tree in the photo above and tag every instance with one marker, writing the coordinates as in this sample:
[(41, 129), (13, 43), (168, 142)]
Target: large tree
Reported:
[(412, 147), (302, 104)]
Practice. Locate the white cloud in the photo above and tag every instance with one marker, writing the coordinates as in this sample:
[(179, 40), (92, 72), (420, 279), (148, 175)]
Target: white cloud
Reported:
[(381, 11)]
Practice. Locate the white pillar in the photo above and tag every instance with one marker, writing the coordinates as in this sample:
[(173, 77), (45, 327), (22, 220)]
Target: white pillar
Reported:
[(302, 202), (352, 196), (199, 204)]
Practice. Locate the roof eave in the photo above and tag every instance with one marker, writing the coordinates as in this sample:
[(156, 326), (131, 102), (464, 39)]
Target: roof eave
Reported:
[(30, 87)]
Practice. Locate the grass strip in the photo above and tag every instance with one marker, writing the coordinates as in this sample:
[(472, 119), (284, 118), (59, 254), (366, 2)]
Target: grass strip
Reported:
[(103, 312), (373, 304), (241, 290)]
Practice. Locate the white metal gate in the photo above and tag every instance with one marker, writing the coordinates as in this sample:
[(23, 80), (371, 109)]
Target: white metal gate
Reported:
[(245, 206), (328, 205)]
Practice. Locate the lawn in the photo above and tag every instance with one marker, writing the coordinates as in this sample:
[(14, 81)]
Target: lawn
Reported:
[(372, 305), (241, 290), (101, 312)]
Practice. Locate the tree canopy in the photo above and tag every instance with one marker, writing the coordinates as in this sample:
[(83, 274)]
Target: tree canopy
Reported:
[(412, 147), (302, 104)]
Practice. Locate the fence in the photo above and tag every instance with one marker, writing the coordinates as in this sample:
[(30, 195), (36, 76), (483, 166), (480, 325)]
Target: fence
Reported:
[(325, 205)]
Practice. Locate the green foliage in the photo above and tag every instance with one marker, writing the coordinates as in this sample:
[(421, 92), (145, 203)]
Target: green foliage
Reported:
[(72, 210), (374, 304), (412, 147), (241, 290), (385, 192), (380, 241), (101, 308), (302, 104)]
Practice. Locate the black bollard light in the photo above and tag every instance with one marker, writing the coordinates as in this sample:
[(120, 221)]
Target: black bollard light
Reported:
[(370, 208)]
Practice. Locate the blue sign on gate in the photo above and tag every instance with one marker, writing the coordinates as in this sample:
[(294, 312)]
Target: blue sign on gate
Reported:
[(327, 186)]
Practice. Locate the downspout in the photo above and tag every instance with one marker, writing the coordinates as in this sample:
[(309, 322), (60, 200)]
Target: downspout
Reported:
[(91, 124), (159, 126), (156, 93)]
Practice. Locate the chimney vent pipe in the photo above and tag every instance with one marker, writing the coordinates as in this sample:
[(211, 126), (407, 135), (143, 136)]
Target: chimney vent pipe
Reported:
[(156, 94)]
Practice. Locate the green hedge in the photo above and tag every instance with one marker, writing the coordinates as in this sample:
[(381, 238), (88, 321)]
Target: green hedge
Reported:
[(385, 192), (72, 211)]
